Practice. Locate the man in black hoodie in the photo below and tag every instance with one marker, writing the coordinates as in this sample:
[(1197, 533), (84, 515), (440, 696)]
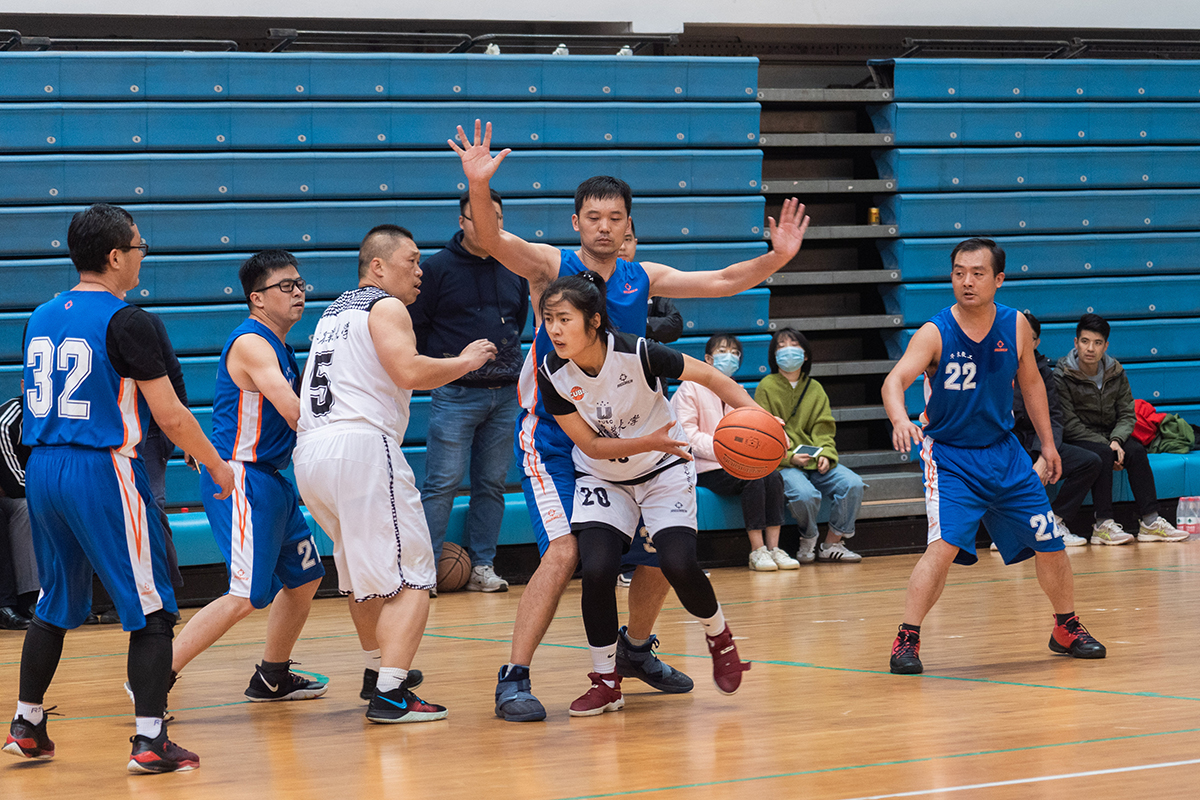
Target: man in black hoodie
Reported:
[(467, 295), (1080, 467)]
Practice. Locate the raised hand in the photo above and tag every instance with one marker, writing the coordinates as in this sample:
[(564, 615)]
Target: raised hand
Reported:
[(477, 161), (478, 353), (787, 236)]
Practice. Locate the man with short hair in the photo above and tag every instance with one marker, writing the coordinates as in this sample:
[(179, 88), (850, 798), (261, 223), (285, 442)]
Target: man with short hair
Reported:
[(1098, 415), (975, 469), (354, 401), (602, 216), (1079, 466), (94, 371), (269, 551), (466, 295), (18, 565)]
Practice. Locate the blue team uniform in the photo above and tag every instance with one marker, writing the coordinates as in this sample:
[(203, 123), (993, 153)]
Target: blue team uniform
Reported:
[(87, 490), (261, 532), (542, 448), (975, 469)]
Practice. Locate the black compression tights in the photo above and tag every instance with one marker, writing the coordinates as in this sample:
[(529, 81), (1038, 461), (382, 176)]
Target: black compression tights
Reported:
[(600, 554)]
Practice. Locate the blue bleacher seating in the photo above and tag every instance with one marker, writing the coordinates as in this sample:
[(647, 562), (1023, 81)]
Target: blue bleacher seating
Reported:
[(232, 177), (326, 76)]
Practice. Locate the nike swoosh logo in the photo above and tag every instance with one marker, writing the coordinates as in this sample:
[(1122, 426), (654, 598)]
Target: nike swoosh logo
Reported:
[(400, 706), (273, 688)]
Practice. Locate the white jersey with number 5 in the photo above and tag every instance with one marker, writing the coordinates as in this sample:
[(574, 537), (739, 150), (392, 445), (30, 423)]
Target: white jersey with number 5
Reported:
[(344, 380)]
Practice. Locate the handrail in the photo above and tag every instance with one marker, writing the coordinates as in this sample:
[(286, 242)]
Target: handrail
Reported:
[(639, 40), (43, 43), (1055, 48), (286, 37), (13, 38)]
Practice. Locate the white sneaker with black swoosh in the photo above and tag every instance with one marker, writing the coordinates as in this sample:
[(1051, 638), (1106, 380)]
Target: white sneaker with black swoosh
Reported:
[(287, 685)]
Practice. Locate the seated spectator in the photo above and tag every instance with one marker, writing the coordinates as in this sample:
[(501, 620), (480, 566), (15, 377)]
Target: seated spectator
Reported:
[(1098, 415), (18, 564), (699, 411), (1080, 467), (790, 394)]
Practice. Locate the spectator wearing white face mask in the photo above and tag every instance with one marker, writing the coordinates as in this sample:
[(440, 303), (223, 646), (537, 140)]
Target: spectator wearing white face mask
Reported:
[(809, 474), (699, 411)]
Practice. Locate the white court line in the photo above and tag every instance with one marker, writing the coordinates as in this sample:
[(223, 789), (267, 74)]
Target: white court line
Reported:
[(1020, 781)]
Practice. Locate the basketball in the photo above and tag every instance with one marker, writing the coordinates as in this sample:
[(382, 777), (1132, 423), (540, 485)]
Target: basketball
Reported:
[(454, 568), (749, 443)]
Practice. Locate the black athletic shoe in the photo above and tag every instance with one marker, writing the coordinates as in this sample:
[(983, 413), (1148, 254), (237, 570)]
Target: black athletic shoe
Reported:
[(401, 705), (160, 754), (1072, 638), (906, 659), (285, 686), (642, 663), (371, 677), (26, 740)]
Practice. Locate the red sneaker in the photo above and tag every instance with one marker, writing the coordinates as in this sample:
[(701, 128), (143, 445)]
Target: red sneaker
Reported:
[(727, 667), (601, 697), (1072, 638), (160, 755), (26, 740)]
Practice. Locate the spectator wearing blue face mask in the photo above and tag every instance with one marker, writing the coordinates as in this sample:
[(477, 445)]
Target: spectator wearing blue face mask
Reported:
[(790, 394), (699, 410)]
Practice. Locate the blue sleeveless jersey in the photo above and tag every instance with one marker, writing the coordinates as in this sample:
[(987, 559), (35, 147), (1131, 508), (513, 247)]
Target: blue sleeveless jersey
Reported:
[(969, 401), (73, 395), (245, 426), (628, 297)]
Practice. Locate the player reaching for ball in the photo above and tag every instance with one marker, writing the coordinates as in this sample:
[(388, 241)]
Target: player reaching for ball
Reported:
[(632, 459)]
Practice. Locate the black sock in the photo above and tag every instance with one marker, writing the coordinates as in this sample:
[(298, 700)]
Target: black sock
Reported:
[(1061, 619), (904, 626), (39, 659), (274, 667), (149, 664)]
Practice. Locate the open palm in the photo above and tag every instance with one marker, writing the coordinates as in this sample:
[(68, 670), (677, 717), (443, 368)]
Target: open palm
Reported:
[(477, 161), (787, 236)]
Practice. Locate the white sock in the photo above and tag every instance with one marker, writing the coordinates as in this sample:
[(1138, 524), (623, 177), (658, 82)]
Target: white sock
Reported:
[(390, 678), (149, 727), (371, 659), (714, 624), (635, 642), (604, 661), (32, 712)]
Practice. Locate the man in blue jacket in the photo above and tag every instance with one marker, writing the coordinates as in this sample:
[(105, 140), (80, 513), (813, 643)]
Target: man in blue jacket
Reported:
[(467, 295)]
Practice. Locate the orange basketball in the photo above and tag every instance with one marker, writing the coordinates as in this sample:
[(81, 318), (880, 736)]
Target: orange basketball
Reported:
[(749, 443), (454, 568)]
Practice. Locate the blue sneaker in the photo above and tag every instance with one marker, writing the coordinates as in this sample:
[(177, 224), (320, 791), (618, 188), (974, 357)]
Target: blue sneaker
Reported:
[(643, 664), (514, 697)]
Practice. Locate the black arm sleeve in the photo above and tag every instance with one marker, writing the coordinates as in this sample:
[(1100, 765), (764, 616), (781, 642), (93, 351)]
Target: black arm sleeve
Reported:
[(664, 323), (554, 402), (174, 370), (659, 361), (133, 345)]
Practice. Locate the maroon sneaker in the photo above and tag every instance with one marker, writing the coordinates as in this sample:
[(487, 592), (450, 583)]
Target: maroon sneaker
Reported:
[(601, 697), (1072, 638), (160, 754), (727, 667), (26, 740)]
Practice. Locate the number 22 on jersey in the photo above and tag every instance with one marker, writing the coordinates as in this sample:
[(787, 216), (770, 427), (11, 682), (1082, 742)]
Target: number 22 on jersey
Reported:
[(956, 372)]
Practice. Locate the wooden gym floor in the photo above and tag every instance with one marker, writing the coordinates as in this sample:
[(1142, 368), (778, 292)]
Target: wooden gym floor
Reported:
[(995, 715)]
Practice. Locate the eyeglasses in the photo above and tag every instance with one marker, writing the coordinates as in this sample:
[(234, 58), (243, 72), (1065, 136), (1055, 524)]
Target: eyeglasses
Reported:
[(144, 247), (499, 218), (287, 285)]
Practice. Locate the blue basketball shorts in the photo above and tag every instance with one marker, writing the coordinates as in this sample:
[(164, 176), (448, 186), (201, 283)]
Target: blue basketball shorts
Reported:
[(92, 510), (995, 485), (261, 532)]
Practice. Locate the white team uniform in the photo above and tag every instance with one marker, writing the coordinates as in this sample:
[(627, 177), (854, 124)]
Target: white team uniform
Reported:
[(349, 467), (624, 401)]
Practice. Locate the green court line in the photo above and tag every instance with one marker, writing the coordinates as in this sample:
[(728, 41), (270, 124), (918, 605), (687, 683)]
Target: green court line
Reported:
[(872, 765)]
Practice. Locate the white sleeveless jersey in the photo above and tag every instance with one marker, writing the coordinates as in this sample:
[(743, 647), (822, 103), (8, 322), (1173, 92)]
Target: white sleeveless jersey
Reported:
[(623, 401), (344, 380)]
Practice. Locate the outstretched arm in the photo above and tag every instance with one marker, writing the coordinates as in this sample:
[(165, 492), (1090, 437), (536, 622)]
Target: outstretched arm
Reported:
[(396, 345), (924, 350), (786, 238), (536, 263)]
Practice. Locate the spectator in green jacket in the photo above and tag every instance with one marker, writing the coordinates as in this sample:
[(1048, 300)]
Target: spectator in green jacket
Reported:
[(790, 394), (1098, 415)]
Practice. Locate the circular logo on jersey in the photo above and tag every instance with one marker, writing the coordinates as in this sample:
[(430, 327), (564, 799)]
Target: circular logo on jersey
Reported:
[(577, 393)]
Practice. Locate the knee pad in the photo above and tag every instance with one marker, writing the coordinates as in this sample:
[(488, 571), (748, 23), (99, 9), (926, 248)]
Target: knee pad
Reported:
[(158, 623), (53, 630)]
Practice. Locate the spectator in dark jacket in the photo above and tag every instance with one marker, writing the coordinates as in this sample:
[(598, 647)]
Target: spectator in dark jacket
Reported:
[(1080, 467), (18, 564), (1098, 415)]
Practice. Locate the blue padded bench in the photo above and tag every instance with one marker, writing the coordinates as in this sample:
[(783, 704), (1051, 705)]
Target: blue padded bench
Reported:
[(232, 177), (1030, 124), (1042, 212), (1034, 168), (326, 76), (1149, 296), (145, 127), (1022, 79), (212, 278), (1054, 256), (1130, 341), (208, 227)]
